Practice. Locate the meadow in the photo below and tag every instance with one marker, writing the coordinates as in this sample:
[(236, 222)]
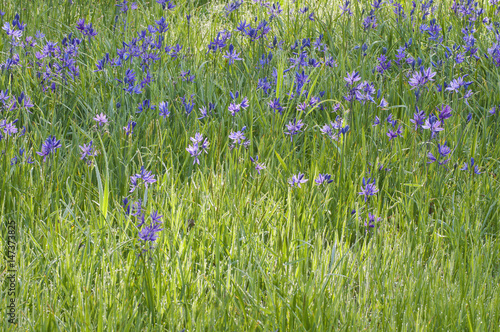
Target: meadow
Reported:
[(249, 165)]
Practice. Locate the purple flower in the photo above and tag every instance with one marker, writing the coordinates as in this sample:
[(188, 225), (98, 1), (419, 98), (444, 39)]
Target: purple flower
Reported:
[(148, 233), (431, 158), (101, 119), (232, 6), (433, 125), (234, 107), (392, 134), (143, 175), (276, 106), (258, 166), (352, 78), (443, 151), (129, 129), (345, 8), (50, 146), (294, 128), (369, 190), (444, 112), (204, 112), (492, 111), (371, 220), (166, 4), (264, 85), (297, 180), (9, 128), (231, 55), (475, 168), (418, 118), (420, 78), (322, 179), (163, 107), (383, 103), (87, 151), (185, 76), (238, 137), (199, 145)]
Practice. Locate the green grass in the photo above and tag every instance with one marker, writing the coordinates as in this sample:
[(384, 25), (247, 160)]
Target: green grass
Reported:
[(259, 255)]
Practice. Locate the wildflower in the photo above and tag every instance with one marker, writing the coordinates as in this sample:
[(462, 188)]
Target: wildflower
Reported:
[(126, 206), (420, 78), (101, 119), (383, 103), (234, 107), (166, 4), (345, 8), (87, 151), (443, 151), (50, 146), (188, 106), (129, 129), (322, 179), (392, 134), (143, 175), (232, 55), (232, 6), (264, 85), (297, 180), (418, 118), (145, 105), (444, 112), (433, 125), (391, 121), (148, 233), (352, 78), (492, 111), (371, 220), (163, 107), (185, 76), (431, 158), (199, 145), (238, 137), (9, 128), (294, 128), (276, 106), (475, 168), (369, 190), (258, 166)]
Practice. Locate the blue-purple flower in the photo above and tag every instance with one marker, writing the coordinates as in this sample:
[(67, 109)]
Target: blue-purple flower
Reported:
[(146, 177), (369, 188), (297, 180), (472, 167), (231, 55), (87, 150), (101, 119), (199, 146), (258, 166), (50, 146), (323, 179), (294, 128)]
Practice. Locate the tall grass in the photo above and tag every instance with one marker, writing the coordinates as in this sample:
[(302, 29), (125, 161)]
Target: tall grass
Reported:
[(239, 250)]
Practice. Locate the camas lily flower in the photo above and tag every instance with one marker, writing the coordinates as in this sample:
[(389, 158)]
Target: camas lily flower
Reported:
[(143, 175), (294, 128), (369, 188), (297, 180), (50, 146)]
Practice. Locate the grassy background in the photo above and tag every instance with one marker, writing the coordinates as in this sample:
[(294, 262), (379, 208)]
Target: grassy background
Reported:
[(261, 256)]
